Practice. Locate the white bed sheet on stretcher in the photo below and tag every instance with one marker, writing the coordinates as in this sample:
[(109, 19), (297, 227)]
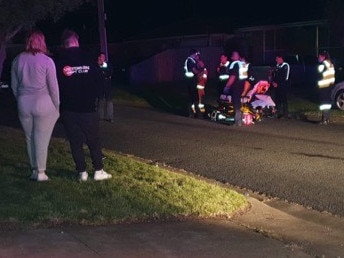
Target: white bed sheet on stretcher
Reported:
[(263, 101)]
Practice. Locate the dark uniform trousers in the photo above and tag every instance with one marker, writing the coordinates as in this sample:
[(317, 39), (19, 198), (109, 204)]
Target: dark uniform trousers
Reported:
[(193, 96)]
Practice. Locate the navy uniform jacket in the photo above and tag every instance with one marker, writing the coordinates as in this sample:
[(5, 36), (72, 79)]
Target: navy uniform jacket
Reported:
[(281, 74)]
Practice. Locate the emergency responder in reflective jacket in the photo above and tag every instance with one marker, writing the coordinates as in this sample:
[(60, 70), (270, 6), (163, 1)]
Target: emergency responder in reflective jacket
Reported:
[(222, 71), (326, 80), (193, 69), (235, 85)]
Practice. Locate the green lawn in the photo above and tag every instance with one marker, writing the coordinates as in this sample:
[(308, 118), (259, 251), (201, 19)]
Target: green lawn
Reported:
[(138, 191)]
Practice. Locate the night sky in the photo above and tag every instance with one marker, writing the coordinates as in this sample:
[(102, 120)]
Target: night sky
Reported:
[(131, 20)]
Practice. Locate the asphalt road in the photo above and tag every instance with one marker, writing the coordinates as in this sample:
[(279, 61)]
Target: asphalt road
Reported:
[(293, 160)]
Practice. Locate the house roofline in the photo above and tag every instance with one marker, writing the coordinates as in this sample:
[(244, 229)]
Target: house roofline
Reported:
[(284, 25)]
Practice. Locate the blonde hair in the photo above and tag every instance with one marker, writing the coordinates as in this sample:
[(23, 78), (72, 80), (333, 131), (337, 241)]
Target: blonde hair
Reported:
[(35, 43)]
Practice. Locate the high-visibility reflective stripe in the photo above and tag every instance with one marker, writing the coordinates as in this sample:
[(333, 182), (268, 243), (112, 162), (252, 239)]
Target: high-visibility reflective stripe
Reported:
[(225, 64), (233, 63), (328, 74), (288, 70), (321, 68), (223, 77), (243, 71), (325, 107), (189, 74), (326, 82), (200, 87), (193, 108)]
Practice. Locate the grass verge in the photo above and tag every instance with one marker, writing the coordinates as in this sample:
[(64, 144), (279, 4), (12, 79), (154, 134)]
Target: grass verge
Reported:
[(138, 191)]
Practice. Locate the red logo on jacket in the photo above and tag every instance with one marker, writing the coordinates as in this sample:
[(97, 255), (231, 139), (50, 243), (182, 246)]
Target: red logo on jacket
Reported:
[(68, 71)]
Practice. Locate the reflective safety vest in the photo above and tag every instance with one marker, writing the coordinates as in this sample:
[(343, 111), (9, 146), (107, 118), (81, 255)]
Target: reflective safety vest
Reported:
[(223, 73), (326, 69), (243, 69), (189, 74)]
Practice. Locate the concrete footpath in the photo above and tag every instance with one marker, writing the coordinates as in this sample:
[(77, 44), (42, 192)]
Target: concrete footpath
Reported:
[(263, 231)]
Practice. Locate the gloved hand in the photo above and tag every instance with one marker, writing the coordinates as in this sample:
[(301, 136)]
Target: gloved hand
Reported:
[(226, 90)]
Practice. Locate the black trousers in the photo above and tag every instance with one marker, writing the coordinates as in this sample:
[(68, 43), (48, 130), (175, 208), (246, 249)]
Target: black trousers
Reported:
[(83, 128), (282, 100), (325, 98), (191, 84), (220, 86), (236, 91)]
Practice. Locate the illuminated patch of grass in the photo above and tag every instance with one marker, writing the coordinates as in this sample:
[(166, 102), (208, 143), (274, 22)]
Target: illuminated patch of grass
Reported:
[(137, 191)]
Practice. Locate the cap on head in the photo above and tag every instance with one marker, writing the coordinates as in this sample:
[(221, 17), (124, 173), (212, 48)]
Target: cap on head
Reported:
[(194, 52), (279, 55)]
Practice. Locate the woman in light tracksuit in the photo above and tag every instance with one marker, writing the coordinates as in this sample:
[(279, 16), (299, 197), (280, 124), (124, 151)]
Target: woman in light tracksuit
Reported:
[(34, 85)]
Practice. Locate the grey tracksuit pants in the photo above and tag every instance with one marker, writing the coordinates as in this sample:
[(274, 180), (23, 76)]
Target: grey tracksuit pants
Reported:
[(38, 116)]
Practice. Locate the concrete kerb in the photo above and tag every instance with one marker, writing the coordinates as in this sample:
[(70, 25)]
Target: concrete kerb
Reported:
[(319, 234)]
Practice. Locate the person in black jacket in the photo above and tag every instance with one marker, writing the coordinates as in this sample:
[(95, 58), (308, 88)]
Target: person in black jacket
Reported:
[(280, 81), (77, 78)]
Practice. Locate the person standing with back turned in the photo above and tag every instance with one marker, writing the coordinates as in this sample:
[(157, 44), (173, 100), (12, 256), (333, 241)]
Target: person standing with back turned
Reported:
[(34, 85), (77, 76)]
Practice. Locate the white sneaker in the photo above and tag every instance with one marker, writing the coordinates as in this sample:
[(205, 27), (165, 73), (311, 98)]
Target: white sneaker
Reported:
[(42, 177), (83, 176), (101, 175)]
